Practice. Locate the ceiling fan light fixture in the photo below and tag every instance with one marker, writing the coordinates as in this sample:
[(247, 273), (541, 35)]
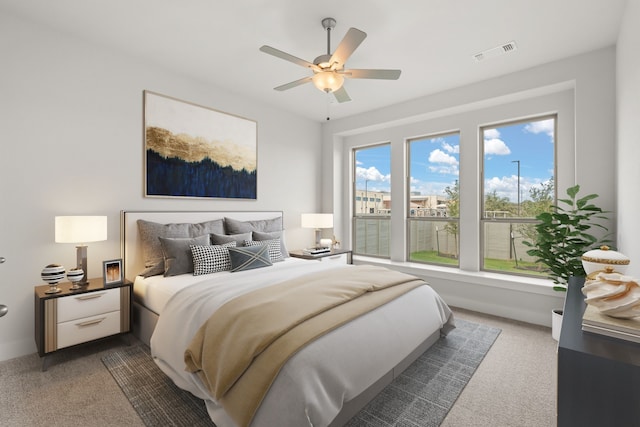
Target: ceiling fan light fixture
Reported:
[(328, 81)]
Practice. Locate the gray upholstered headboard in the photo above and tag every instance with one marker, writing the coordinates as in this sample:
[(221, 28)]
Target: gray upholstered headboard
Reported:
[(131, 250)]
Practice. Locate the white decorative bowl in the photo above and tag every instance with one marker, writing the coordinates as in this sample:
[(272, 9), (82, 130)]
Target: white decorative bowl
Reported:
[(52, 273), (598, 260), (75, 274)]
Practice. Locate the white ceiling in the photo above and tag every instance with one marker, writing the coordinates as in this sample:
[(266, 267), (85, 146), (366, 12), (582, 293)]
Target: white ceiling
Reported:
[(431, 41)]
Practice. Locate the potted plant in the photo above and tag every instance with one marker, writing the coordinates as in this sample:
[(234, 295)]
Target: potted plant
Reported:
[(563, 235)]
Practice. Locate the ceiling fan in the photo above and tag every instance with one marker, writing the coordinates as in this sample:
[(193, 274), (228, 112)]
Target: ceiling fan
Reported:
[(328, 69)]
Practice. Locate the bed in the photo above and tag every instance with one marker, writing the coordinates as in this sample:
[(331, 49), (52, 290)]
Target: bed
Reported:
[(324, 382)]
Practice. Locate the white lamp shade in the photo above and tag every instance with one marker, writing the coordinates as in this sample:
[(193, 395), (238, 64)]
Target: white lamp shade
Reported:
[(81, 229), (317, 220)]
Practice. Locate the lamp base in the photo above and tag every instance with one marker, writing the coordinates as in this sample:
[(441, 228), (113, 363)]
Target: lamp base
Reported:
[(53, 289), (81, 259)]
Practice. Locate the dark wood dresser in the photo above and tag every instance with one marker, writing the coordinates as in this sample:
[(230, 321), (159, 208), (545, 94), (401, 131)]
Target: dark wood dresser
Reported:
[(598, 376)]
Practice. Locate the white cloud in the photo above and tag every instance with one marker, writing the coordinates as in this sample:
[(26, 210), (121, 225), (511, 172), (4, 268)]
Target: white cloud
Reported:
[(496, 146), (507, 186), (371, 174), (443, 163), (543, 126), (455, 149), (491, 134), (445, 169), (439, 156), (428, 188)]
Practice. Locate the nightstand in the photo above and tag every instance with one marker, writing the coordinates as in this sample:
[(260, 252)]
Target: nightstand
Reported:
[(73, 317), (342, 256)]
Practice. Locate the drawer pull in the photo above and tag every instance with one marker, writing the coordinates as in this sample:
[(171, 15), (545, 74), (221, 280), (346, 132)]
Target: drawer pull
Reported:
[(90, 322), (89, 296)]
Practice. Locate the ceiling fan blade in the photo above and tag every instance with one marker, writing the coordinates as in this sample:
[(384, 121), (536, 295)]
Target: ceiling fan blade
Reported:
[(288, 57), (293, 84), (349, 43), (341, 95), (372, 74)]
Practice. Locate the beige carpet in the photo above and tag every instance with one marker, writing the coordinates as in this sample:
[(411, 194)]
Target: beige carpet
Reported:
[(514, 386)]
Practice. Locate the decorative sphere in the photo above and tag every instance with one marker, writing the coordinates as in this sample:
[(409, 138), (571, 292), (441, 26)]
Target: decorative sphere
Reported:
[(75, 274), (52, 273), (326, 243)]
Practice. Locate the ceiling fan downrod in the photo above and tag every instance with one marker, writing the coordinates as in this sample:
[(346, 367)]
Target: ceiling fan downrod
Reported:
[(328, 24)]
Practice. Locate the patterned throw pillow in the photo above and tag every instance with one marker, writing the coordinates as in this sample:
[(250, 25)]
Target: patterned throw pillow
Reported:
[(211, 258), (275, 254), (249, 257)]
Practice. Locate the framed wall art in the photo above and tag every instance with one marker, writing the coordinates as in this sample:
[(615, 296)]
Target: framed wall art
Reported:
[(112, 272), (195, 151)]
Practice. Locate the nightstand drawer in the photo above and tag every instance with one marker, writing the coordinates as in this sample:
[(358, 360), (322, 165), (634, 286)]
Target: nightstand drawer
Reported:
[(338, 258), (90, 328), (88, 304)]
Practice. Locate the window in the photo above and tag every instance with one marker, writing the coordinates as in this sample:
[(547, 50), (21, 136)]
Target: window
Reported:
[(434, 203), (517, 184), (372, 200)]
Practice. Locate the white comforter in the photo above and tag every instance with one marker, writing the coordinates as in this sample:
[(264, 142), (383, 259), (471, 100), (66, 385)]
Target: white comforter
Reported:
[(312, 387)]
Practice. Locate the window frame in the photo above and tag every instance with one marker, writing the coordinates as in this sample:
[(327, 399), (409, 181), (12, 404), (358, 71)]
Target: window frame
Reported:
[(443, 219), (483, 218), (354, 191)]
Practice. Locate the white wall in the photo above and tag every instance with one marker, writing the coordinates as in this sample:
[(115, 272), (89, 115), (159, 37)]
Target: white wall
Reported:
[(71, 142), (628, 112), (581, 89)]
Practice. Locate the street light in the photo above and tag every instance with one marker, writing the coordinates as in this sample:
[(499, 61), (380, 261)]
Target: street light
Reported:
[(366, 196), (518, 162)]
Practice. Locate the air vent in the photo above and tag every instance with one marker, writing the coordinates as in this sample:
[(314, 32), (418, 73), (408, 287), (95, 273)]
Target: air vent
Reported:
[(509, 47), (496, 51)]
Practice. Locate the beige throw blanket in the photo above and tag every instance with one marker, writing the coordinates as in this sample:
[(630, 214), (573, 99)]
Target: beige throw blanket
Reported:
[(240, 349)]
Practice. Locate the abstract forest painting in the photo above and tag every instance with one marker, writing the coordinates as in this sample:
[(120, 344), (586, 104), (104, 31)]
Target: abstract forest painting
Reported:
[(194, 151)]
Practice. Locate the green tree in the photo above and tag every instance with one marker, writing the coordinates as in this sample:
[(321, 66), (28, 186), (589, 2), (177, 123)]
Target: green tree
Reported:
[(453, 210), (495, 203), (542, 198)]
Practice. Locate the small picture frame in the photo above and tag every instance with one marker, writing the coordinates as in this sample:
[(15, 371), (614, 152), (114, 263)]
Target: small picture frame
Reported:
[(112, 272)]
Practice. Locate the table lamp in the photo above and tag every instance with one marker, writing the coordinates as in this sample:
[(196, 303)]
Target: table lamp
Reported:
[(81, 230), (317, 221)]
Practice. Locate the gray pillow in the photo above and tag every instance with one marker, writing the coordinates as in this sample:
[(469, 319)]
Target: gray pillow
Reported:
[(207, 227), (260, 236), (274, 248), (151, 231), (249, 257), (220, 239), (234, 226), (177, 253)]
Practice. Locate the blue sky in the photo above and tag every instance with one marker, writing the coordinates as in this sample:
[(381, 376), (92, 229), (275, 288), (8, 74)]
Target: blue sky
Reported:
[(435, 161)]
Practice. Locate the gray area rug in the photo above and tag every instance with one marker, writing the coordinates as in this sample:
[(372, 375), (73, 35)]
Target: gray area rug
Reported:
[(420, 397)]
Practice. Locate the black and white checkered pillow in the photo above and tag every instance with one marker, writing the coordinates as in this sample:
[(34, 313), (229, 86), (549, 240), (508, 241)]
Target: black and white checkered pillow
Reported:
[(211, 258), (275, 252)]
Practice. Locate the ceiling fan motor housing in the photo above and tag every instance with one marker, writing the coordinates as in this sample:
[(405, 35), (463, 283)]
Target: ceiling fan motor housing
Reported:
[(323, 61), (328, 23)]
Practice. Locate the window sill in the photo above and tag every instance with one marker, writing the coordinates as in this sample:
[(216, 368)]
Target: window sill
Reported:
[(484, 278)]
